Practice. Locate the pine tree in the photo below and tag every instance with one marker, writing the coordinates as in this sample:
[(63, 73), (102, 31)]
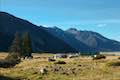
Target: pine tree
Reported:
[(15, 48), (26, 46), (13, 57)]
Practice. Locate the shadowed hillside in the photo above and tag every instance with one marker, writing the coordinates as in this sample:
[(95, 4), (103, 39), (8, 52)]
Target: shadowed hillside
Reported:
[(42, 41), (53, 39), (85, 40)]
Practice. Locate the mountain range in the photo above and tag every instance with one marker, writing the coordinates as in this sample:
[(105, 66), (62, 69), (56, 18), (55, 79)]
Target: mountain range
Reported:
[(42, 41), (53, 39), (85, 40)]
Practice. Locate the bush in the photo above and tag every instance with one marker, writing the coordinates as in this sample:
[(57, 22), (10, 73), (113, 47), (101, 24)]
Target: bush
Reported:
[(50, 59), (115, 63), (118, 57), (64, 56), (60, 62), (11, 62), (99, 57)]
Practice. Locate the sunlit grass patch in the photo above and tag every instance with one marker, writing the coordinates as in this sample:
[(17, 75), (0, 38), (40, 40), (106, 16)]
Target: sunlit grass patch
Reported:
[(80, 68)]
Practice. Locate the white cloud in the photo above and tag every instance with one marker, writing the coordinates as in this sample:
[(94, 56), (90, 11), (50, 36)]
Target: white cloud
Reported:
[(101, 25)]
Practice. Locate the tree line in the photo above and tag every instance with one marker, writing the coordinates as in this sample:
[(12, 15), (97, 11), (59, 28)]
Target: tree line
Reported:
[(21, 47)]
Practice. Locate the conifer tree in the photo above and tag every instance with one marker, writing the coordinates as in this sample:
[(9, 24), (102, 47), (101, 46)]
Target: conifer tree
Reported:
[(15, 48), (26, 46), (13, 57)]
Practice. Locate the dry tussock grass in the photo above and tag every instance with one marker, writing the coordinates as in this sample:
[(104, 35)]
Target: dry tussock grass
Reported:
[(84, 69), (3, 55)]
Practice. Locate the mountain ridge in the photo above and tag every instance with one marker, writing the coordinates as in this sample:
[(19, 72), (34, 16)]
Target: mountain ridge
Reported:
[(42, 41), (91, 39), (54, 39)]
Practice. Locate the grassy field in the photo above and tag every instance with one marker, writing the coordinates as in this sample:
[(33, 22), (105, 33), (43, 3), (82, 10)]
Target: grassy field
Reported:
[(81, 68)]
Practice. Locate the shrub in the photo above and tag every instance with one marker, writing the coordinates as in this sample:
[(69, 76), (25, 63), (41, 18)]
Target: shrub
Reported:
[(99, 57), (60, 62), (64, 56), (113, 63), (118, 57), (11, 62), (50, 59)]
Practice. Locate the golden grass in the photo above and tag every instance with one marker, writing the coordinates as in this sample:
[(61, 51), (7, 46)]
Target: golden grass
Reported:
[(3, 55), (85, 69)]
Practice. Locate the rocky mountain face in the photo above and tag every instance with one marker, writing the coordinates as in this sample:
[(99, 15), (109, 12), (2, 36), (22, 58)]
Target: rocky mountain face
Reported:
[(85, 40), (95, 40), (70, 39)]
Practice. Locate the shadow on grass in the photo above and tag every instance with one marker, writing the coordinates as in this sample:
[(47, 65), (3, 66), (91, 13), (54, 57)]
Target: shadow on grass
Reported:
[(5, 78)]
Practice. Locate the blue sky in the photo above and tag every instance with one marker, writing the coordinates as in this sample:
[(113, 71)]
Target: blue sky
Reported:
[(102, 16)]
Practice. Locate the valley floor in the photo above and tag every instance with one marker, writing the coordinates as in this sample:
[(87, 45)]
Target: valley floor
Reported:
[(81, 68)]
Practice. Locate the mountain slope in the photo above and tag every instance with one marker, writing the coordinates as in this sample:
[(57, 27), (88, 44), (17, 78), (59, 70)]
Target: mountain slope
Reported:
[(68, 38), (95, 40), (53, 39), (41, 39), (85, 40)]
